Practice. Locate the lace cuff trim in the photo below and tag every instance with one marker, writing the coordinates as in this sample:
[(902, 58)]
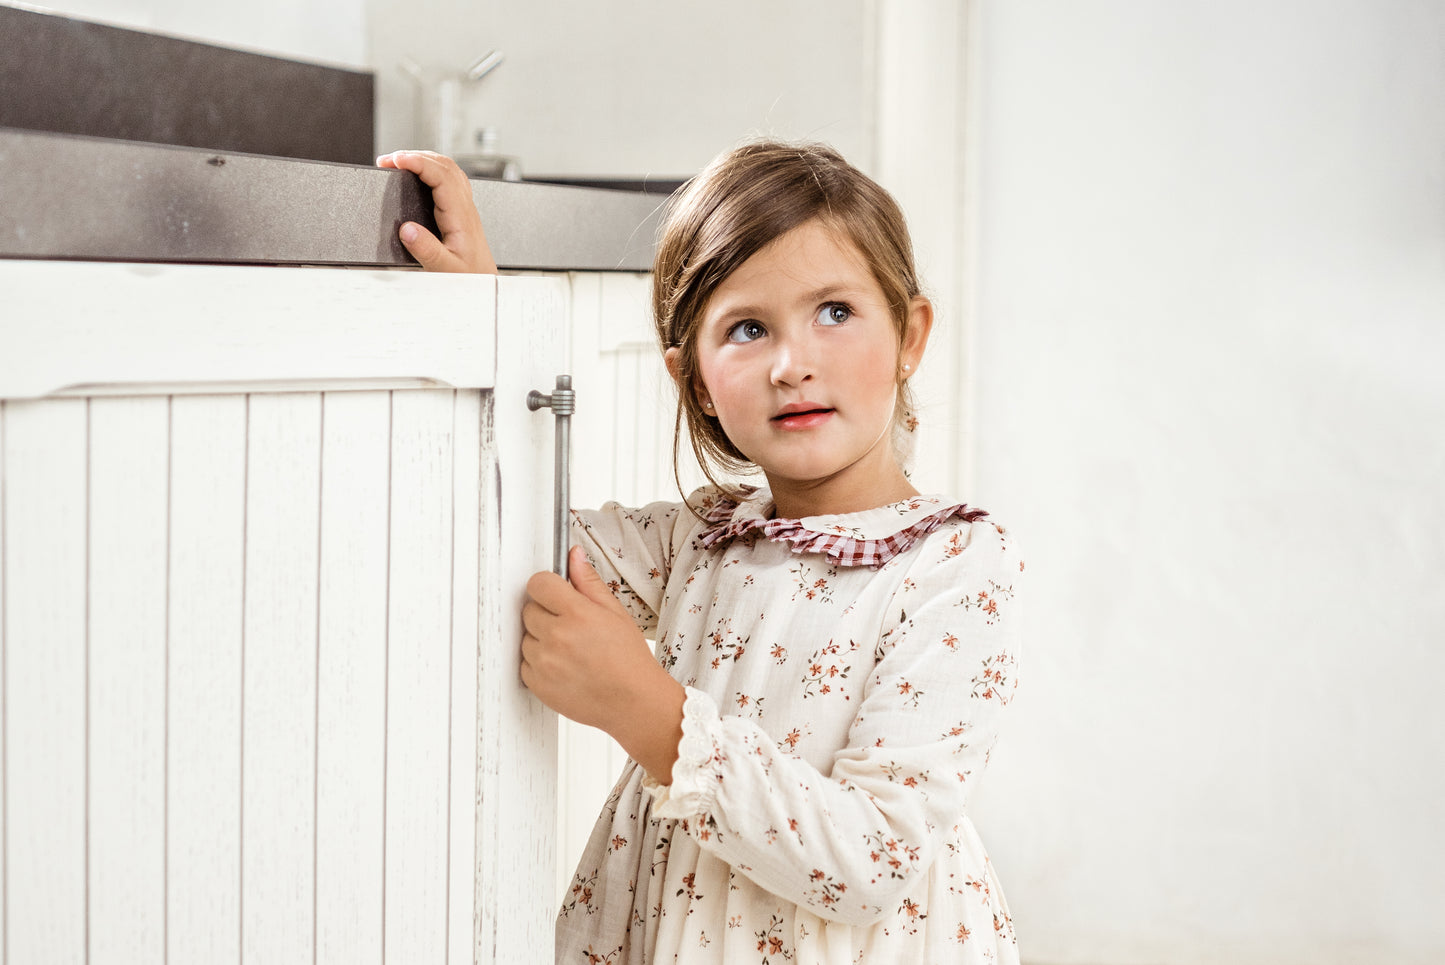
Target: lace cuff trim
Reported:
[(694, 776)]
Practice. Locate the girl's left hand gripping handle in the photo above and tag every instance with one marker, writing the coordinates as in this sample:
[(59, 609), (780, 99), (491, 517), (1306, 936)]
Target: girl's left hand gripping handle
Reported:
[(562, 402)]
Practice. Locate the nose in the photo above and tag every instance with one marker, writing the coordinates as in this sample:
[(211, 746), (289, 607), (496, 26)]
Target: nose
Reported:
[(793, 362)]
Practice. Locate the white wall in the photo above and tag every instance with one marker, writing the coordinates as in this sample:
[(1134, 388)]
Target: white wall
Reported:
[(649, 87), (1210, 317), (325, 31), (643, 87)]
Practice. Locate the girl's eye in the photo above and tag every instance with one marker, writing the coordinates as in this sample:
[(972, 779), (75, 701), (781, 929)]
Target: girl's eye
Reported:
[(746, 331), (834, 313)]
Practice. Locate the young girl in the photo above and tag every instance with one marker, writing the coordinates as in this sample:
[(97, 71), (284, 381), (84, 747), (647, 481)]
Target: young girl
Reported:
[(833, 650)]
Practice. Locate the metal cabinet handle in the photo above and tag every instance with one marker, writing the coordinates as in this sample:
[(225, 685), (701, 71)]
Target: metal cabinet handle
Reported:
[(562, 402)]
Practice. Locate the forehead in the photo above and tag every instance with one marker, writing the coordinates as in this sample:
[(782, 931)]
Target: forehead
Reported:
[(810, 257)]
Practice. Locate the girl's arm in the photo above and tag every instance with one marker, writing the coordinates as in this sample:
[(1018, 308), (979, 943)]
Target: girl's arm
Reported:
[(463, 244), (855, 843), (583, 651), (583, 656)]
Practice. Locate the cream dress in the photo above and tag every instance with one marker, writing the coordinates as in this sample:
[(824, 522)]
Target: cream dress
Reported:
[(845, 678)]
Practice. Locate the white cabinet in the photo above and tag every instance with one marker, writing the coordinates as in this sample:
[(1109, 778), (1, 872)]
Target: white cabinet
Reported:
[(264, 534)]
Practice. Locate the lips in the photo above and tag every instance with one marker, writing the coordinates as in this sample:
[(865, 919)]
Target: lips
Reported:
[(802, 415)]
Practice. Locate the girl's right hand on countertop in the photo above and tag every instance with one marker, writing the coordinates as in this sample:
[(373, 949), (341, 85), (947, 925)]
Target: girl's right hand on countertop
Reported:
[(463, 244)]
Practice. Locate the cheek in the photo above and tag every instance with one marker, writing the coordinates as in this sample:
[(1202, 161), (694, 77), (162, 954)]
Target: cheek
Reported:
[(725, 385)]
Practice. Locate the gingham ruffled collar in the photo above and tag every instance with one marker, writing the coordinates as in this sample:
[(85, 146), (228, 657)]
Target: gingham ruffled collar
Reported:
[(868, 538)]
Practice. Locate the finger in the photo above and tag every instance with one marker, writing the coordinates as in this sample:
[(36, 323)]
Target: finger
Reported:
[(551, 592), (537, 620), (586, 580), (428, 250), (528, 674), (455, 210)]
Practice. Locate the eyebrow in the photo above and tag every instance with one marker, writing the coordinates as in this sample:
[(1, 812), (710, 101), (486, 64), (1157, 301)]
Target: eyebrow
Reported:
[(817, 296)]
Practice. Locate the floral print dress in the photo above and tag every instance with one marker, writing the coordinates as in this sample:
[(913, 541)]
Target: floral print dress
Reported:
[(845, 677)]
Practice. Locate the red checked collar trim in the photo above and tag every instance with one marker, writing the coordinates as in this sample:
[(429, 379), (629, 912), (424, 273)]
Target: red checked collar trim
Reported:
[(868, 538)]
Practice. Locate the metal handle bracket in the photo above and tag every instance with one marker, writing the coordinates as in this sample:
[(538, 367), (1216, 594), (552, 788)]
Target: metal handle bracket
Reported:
[(562, 402)]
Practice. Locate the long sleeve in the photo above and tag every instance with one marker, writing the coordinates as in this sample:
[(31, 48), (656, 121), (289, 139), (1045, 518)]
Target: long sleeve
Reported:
[(633, 550), (852, 840)]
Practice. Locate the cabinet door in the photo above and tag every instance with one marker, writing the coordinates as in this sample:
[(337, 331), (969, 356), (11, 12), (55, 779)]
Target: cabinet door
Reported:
[(240, 682), (259, 647)]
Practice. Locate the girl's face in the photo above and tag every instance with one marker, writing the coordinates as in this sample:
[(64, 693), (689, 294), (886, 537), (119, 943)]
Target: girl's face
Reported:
[(799, 357)]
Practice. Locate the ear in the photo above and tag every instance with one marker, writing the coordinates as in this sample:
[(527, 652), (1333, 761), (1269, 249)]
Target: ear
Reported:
[(915, 333), (672, 358)]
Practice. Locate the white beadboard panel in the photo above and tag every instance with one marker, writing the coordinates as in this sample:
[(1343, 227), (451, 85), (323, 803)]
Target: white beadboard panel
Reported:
[(626, 311), (211, 328), (592, 447), (203, 736), (279, 674), (625, 405), (645, 455), (466, 576), (45, 681), (351, 676), (418, 676), (129, 443), (518, 743)]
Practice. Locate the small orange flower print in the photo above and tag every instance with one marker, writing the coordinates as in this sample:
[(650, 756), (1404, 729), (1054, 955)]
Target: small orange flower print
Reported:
[(597, 958), (618, 842)]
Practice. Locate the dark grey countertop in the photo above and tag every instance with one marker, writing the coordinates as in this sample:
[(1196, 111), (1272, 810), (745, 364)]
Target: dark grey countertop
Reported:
[(65, 196)]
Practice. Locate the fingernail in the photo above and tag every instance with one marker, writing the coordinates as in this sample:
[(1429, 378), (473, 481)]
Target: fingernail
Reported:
[(408, 232)]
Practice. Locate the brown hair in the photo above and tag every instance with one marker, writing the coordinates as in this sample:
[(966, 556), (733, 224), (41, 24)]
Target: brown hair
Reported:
[(740, 203)]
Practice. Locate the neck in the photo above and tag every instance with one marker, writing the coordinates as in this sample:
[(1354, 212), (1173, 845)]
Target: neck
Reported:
[(829, 497)]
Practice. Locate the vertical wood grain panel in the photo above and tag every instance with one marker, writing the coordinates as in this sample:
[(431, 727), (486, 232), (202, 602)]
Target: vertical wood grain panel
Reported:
[(279, 671), (351, 676), (203, 736), (592, 443), (466, 573), (129, 442), (518, 734), (45, 681), (628, 404), (644, 453), (418, 676)]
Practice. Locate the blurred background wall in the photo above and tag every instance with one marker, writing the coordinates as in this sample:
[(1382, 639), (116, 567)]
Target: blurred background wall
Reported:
[(1190, 263), (1210, 322)]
